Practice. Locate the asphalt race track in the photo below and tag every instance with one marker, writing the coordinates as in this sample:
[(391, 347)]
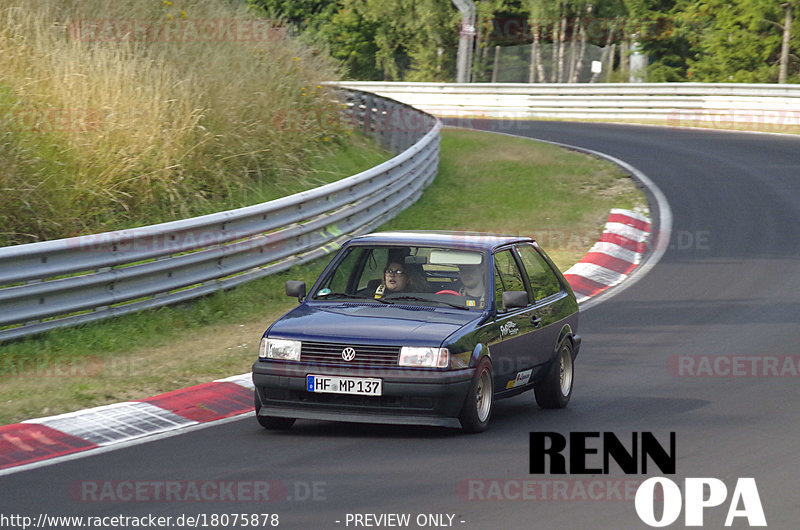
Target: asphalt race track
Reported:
[(728, 285)]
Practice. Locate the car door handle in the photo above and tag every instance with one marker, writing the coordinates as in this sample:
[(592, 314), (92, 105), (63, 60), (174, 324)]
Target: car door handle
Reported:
[(536, 321)]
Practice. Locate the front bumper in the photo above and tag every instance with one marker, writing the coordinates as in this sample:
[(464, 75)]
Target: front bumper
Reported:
[(420, 397)]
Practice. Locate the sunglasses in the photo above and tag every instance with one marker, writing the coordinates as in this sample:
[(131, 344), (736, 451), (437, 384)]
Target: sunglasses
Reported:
[(398, 272)]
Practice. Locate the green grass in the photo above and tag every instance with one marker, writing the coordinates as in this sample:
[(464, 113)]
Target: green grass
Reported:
[(486, 182)]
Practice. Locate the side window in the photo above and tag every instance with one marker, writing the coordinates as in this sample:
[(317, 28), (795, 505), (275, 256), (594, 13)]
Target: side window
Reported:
[(366, 262), (506, 276), (543, 280)]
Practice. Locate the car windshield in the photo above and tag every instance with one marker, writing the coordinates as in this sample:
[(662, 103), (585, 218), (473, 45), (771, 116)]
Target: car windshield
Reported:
[(432, 276)]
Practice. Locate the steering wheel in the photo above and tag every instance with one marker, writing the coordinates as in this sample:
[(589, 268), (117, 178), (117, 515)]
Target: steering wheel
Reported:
[(448, 291)]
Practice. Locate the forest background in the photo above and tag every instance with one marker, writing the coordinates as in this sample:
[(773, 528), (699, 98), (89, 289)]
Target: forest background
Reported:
[(741, 41)]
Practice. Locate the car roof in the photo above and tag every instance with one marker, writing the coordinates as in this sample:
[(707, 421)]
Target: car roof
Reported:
[(465, 240)]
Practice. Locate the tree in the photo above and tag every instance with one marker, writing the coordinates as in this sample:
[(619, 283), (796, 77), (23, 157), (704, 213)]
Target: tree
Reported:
[(326, 24), (377, 39), (732, 42), (434, 47), (695, 40), (351, 40), (539, 13), (652, 23), (303, 14), (786, 41), (413, 39)]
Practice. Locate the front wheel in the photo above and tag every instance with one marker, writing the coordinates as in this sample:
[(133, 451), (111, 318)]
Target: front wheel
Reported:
[(477, 408), (556, 389), (271, 422)]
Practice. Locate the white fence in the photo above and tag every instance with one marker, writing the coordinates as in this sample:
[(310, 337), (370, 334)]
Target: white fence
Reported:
[(760, 106)]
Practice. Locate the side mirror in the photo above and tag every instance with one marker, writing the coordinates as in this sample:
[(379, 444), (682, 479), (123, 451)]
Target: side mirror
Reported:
[(296, 289), (512, 299)]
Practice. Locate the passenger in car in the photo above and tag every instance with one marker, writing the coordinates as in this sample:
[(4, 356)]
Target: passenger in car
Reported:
[(472, 287)]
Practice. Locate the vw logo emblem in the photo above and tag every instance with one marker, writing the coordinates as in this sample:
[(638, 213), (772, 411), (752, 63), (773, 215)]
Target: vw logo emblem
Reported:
[(348, 354)]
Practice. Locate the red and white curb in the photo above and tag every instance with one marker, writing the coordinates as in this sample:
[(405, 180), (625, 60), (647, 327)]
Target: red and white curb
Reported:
[(607, 263), (612, 259), (44, 438)]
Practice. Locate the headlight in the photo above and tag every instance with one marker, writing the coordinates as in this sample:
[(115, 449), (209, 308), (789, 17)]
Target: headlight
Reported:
[(424, 357), (281, 349)]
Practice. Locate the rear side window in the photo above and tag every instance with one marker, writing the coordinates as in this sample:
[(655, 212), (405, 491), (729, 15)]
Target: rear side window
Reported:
[(507, 277), (544, 281)]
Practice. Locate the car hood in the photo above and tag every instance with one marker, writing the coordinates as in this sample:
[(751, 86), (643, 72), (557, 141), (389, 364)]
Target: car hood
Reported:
[(372, 323)]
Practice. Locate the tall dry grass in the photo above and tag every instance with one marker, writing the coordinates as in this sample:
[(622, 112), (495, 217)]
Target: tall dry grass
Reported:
[(104, 129)]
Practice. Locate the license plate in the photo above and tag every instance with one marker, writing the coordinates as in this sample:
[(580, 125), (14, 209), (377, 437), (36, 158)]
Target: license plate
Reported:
[(344, 385)]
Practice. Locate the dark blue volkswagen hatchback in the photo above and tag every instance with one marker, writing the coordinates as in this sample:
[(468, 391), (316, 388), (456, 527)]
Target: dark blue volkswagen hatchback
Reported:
[(420, 328)]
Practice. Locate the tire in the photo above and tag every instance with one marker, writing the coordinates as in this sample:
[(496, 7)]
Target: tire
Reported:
[(477, 409), (556, 389), (272, 423)]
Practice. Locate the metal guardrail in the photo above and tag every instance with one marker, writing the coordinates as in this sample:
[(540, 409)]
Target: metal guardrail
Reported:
[(81, 279), (679, 104)]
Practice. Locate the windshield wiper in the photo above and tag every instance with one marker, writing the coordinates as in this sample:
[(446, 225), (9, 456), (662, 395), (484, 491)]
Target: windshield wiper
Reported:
[(339, 296), (423, 299), (333, 296)]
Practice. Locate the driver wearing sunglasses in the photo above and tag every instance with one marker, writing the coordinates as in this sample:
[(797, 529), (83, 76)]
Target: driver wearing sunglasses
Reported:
[(395, 280)]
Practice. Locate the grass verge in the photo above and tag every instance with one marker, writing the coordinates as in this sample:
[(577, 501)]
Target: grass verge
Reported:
[(486, 182)]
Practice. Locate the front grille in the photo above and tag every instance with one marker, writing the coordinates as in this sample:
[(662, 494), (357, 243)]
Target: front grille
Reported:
[(366, 354)]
